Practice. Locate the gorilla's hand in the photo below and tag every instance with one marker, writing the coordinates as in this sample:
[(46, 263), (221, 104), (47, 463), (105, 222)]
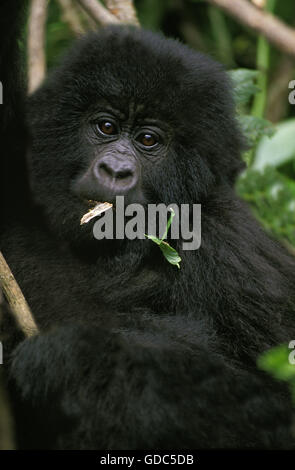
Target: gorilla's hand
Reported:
[(97, 389)]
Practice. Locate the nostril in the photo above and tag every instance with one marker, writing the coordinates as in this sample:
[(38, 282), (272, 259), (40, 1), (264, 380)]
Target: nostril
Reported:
[(115, 174), (120, 174), (124, 174), (104, 168)]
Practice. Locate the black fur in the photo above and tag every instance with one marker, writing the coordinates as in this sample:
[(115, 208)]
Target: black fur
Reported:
[(135, 353)]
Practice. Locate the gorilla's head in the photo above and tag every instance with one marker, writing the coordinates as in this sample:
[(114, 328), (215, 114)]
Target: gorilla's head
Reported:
[(130, 113)]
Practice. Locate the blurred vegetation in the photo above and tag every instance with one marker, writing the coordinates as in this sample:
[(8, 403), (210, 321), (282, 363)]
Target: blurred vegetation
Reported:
[(280, 362)]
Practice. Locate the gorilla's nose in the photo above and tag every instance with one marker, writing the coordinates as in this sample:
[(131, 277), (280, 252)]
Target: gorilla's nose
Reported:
[(116, 174)]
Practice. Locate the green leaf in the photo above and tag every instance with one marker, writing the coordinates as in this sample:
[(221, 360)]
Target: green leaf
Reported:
[(276, 362), (278, 149), (170, 254), (271, 196), (244, 84), (154, 239), (168, 224), (254, 128)]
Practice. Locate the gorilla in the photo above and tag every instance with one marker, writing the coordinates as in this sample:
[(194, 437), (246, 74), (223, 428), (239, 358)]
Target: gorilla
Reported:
[(132, 352)]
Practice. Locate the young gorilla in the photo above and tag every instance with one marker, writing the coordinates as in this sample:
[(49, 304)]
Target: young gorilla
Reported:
[(134, 353)]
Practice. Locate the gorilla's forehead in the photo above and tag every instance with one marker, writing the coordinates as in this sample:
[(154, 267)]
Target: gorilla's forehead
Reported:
[(140, 68), (128, 111)]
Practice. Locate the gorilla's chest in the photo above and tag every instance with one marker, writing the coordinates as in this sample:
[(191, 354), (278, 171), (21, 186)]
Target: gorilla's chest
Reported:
[(60, 287)]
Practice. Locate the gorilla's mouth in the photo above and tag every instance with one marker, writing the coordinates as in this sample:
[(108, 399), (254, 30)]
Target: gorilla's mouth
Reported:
[(91, 203), (96, 209)]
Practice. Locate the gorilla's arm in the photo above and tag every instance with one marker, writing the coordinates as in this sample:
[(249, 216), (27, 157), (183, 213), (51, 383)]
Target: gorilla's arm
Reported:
[(82, 387)]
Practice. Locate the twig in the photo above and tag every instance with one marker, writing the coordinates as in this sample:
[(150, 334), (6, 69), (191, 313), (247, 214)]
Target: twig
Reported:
[(89, 23), (124, 10), (263, 51), (277, 101), (36, 44), (259, 3), (277, 32), (6, 421), (98, 12), (71, 16), (19, 307)]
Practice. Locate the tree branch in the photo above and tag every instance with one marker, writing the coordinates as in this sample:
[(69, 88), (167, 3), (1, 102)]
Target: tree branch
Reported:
[(36, 44), (98, 12), (18, 305), (277, 32), (6, 421), (124, 10), (71, 16), (277, 102)]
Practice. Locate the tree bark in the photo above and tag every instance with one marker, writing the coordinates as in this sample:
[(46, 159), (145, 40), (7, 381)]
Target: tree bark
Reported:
[(71, 16), (6, 421), (98, 12), (17, 303), (36, 44), (124, 10)]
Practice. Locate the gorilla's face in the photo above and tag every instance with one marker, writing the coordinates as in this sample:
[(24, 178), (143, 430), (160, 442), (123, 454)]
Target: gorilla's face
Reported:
[(124, 148), (130, 113)]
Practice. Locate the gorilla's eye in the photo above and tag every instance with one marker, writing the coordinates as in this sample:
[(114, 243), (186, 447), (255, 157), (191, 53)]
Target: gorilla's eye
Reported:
[(148, 140), (107, 127)]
